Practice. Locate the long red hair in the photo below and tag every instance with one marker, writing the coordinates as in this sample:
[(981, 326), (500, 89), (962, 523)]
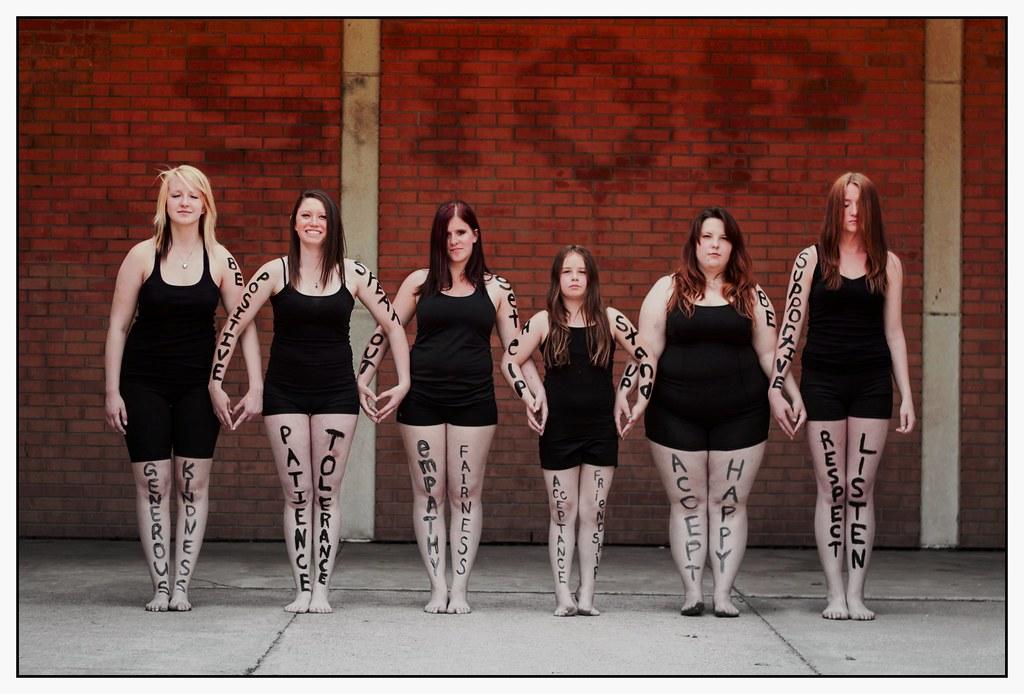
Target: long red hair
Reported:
[(738, 282), (869, 218)]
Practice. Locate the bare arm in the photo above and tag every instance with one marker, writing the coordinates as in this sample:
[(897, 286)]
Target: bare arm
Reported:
[(639, 371), (520, 351), (798, 292), (765, 338), (404, 306), (268, 280), (130, 277), (507, 320), (898, 343), (228, 276), (367, 289)]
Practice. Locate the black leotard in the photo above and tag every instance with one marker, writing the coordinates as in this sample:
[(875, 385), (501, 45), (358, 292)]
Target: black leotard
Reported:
[(581, 399), (450, 362), (710, 392), (310, 370), (165, 366)]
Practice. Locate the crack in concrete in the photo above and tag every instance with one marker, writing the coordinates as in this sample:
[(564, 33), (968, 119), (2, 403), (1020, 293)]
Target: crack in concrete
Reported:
[(273, 644), (779, 636)]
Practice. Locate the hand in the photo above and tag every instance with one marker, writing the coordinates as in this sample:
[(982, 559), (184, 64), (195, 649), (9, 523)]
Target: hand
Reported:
[(392, 399), (367, 400), (797, 405), (533, 414), (247, 408), (783, 412), (622, 411), (907, 418), (221, 404), (116, 414), (540, 408)]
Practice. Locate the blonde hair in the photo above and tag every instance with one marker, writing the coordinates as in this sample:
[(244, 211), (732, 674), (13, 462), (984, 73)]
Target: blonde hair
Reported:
[(195, 180)]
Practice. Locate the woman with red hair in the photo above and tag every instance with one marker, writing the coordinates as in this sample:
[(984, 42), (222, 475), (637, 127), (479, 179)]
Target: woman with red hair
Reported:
[(849, 288)]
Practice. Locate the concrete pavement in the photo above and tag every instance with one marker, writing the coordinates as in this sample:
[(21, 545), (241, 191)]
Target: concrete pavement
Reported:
[(80, 613)]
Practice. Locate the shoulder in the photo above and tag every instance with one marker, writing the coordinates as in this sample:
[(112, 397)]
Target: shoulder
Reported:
[(218, 253), (356, 266), (417, 277), (494, 279), (614, 314), (143, 249), (664, 287), (810, 253), (273, 267), (893, 266)]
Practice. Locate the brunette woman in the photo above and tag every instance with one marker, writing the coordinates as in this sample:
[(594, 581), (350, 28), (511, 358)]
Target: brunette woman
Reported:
[(579, 445), (310, 403), (449, 417), (712, 331)]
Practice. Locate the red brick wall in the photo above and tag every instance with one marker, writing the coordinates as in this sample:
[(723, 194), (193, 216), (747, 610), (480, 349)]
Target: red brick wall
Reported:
[(102, 106), (614, 134), (983, 359), (607, 133)]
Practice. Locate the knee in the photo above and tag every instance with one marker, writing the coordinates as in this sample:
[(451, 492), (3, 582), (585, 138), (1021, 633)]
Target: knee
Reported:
[(298, 497), (563, 511), (156, 489), (859, 489)]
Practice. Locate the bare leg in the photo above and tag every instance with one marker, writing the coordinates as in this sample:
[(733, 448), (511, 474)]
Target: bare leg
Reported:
[(467, 459), (289, 441), (827, 441), (863, 454), (563, 499), (595, 484), (424, 448), (193, 478), (684, 475), (330, 437), (153, 509), (731, 476)]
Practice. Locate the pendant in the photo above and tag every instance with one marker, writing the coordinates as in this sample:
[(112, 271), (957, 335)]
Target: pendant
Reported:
[(184, 266)]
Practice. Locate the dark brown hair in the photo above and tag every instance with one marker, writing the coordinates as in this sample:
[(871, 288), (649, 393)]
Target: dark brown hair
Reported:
[(600, 344), (439, 274), (333, 247), (738, 282)]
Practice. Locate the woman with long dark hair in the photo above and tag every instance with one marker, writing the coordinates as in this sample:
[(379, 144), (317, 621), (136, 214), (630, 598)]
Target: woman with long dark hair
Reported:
[(849, 289), (449, 417), (579, 446), (310, 400), (156, 365), (712, 331)]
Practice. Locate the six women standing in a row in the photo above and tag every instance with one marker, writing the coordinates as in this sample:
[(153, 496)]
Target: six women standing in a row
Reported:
[(709, 362)]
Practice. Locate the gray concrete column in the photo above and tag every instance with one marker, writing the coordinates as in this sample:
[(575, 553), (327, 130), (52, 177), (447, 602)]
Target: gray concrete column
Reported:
[(360, 156), (943, 162)]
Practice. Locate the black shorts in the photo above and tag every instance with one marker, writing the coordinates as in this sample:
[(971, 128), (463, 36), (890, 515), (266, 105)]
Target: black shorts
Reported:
[(168, 418), (569, 453), (282, 400), (418, 411), (737, 431), (830, 397)]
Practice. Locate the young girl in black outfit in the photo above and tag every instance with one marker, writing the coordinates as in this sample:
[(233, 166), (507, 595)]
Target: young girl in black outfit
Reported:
[(310, 404), (448, 419), (579, 445), (849, 288), (712, 331), (156, 373)]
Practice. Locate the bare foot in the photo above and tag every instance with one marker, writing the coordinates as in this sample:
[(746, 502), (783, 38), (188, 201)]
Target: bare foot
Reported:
[(457, 604), (318, 603), (300, 604), (858, 610), (438, 601), (179, 602), (158, 603), (836, 608), (585, 598), (724, 607), (565, 610)]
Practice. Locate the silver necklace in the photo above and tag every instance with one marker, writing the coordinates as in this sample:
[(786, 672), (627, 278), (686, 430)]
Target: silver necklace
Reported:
[(188, 258)]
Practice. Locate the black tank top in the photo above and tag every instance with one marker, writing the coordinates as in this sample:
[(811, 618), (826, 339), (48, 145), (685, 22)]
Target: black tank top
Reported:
[(311, 350), (581, 396), (450, 361), (845, 327), (713, 344), (173, 336)]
